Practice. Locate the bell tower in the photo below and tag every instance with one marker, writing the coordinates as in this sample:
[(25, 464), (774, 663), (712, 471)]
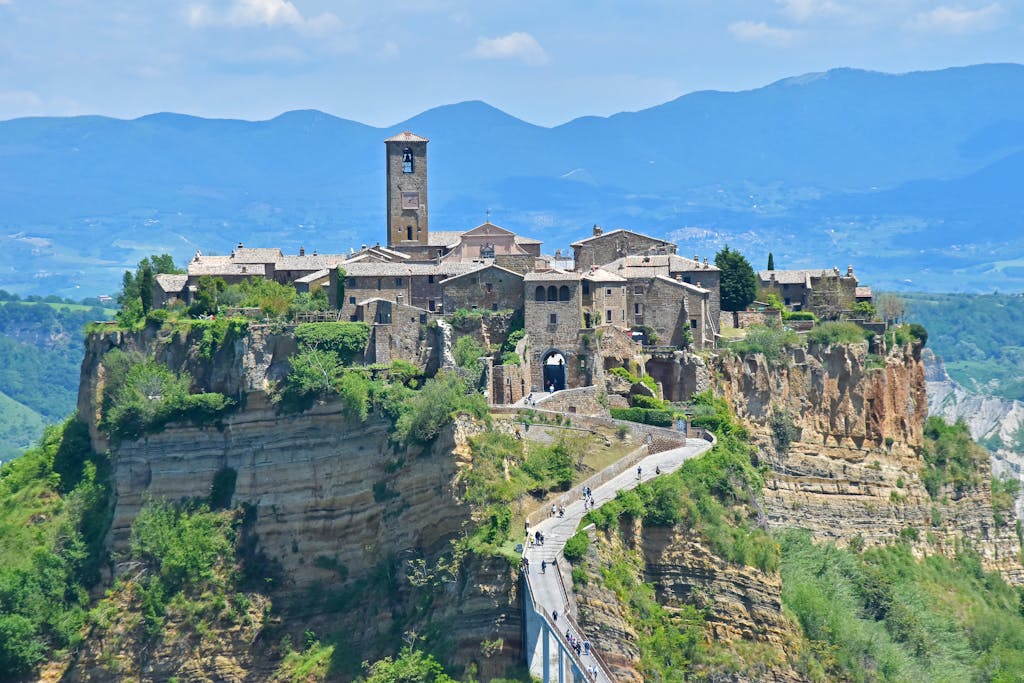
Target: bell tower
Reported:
[(407, 190)]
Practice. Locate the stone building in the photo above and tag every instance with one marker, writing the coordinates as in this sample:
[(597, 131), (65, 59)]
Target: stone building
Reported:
[(826, 293), (553, 318), (488, 288), (407, 215), (604, 247), (603, 298), (397, 331)]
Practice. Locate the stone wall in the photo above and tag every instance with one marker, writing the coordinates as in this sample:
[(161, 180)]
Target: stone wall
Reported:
[(509, 383), (490, 289), (582, 401), (361, 288), (606, 248), (517, 263), (680, 374), (606, 302)]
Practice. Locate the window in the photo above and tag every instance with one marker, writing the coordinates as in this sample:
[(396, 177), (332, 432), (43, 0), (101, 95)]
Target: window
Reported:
[(539, 294), (408, 233), (688, 279), (494, 307), (431, 305), (351, 299), (638, 309), (398, 282), (586, 288), (786, 301), (406, 160), (489, 287), (552, 293), (638, 289), (379, 283), (693, 323), (430, 279), (351, 282), (607, 316), (563, 293), (553, 319), (608, 292)]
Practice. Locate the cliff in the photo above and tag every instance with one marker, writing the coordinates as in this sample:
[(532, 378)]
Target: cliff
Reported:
[(336, 512), (842, 439)]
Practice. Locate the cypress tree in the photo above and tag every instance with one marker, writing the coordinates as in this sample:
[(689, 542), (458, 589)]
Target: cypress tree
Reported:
[(771, 261)]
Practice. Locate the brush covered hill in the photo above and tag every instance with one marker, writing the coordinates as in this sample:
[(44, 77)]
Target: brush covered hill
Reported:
[(846, 164)]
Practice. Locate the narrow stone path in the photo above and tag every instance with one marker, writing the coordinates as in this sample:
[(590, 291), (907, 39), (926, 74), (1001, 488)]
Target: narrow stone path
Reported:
[(546, 586)]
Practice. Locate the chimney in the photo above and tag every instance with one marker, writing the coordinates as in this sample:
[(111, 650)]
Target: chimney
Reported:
[(598, 230), (314, 252), (241, 246), (302, 251), (696, 258), (849, 271), (558, 254), (705, 261), (835, 270)]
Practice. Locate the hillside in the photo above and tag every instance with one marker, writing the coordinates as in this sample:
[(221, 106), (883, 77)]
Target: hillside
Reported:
[(852, 166), (40, 363)]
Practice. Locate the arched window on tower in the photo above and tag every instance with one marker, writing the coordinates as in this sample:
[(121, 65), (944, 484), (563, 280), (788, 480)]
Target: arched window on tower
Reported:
[(552, 293), (539, 296), (408, 232), (563, 293), (407, 161)]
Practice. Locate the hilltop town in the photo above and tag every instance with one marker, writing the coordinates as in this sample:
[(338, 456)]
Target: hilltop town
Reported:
[(618, 288)]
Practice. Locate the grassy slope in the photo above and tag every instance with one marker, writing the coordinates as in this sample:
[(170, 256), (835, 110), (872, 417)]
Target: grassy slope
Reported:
[(19, 427), (980, 337)]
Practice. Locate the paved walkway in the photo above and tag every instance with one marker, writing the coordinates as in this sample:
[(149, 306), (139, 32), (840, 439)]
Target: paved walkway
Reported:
[(547, 589)]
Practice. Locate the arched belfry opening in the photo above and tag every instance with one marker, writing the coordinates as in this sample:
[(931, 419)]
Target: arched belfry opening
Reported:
[(554, 370), (407, 160)]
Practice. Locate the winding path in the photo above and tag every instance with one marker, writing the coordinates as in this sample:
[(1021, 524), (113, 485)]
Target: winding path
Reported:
[(548, 591)]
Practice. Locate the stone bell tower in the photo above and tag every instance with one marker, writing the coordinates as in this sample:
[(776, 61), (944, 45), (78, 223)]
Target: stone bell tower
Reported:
[(407, 190)]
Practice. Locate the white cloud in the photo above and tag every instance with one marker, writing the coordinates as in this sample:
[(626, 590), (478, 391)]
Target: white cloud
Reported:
[(760, 32), (517, 46), (270, 13), (946, 19), (804, 10)]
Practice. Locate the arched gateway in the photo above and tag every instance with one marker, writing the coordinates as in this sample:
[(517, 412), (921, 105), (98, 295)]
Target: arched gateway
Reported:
[(554, 370)]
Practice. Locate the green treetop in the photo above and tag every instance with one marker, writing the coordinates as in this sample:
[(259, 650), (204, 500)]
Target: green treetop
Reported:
[(739, 283)]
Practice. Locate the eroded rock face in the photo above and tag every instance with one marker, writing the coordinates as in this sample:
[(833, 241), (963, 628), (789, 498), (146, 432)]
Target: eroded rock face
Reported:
[(853, 467), (742, 605)]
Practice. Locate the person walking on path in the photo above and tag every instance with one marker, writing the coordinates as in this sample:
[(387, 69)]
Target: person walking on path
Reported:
[(543, 566), (639, 472)]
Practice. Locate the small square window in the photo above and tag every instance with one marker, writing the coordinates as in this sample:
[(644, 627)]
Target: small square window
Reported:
[(608, 292), (638, 289), (553, 319), (398, 282), (490, 287), (351, 299), (693, 324), (494, 307), (431, 305), (607, 316), (430, 279)]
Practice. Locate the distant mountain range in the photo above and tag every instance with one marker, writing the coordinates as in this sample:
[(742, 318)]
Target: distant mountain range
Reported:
[(915, 179)]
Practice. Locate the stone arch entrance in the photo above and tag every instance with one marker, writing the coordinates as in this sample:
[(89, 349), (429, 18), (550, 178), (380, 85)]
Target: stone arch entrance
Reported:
[(554, 370)]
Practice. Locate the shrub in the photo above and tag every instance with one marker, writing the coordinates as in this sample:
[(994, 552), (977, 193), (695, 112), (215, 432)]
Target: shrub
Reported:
[(576, 547), (656, 418), (467, 352), (837, 332), (799, 315), (951, 457), (769, 341), (918, 332), (347, 340), (428, 410), (510, 358)]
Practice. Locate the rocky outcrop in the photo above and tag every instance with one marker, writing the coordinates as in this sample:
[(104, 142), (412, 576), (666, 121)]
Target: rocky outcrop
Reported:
[(843, 443), (742, 606), (995, 422)]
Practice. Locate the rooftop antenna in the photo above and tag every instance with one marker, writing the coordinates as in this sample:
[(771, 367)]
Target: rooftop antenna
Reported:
[(488, 213)]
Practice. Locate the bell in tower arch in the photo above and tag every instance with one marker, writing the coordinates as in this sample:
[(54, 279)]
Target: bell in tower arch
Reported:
[(406, 160)]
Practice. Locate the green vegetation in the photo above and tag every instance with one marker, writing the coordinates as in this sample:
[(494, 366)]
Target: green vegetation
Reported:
[(656, 418), (467, 352), (141, 396), (136, 296), (1004, 495), (533, 469), (772, 342), (347, 340), (53, 519), (739, 282), (40, 360), (837, 332), (576, 547), (708, 494), (951, 458), (632, 378), (885, 616), (411, 666), (980, 338)]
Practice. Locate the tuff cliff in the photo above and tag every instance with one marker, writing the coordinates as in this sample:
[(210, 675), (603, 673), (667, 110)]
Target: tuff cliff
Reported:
[(337, 512), (841, 434)]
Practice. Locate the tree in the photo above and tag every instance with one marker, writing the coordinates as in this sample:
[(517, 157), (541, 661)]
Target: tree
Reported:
[(145, 278), (771, 261), (136, 296), (891, 308), (739, 283)]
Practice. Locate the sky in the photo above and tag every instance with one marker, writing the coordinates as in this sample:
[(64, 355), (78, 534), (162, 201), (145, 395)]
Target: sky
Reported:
[(382, 62)]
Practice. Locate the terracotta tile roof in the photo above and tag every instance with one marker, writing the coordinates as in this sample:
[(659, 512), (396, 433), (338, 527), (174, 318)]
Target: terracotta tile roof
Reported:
[(219, 268), (550, 275), (310, 261), (520, 239), (444, 238), (795, 277), (616, 232), (685, 285), (171, 283), (483, 266), (602, 275), (862, 292), (644, 265), (257, 255), (406, 136), (313, 277)]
